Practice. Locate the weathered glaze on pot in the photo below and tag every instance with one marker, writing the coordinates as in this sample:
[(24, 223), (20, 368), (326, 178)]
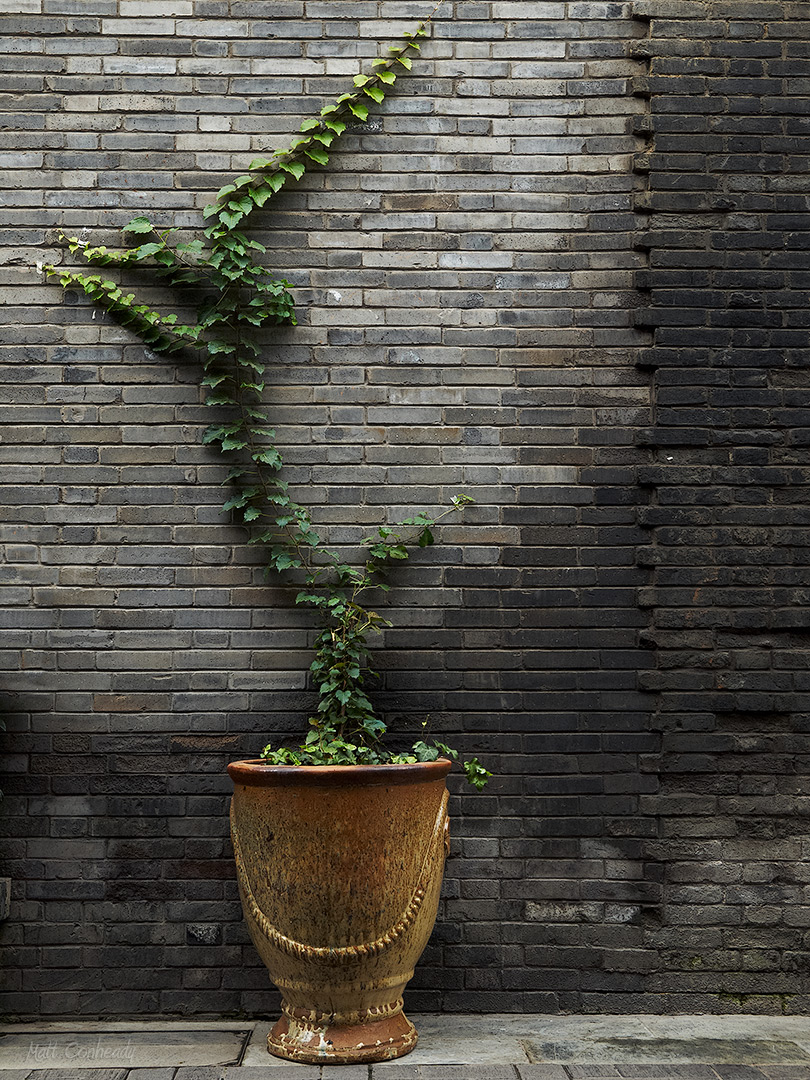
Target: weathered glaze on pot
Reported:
[(340, 869)]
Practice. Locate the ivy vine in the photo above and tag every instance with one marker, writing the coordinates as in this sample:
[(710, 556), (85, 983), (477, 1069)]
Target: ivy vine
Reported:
[(225, 334)]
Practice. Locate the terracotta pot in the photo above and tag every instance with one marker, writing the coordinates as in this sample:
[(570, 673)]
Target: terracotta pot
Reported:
[(340, 869)]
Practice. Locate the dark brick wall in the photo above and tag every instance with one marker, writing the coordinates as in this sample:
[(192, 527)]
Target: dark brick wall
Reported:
[(728, 287), (477, 313)]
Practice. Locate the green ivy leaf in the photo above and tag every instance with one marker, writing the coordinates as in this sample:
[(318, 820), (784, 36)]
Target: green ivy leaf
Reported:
[(138, 225), (359, 110), (375, 93), (387, 77), (317, 154), (269, 456), (220, 397), (216, 379), (476, 774), (284, 561), (262, 192), (234, 443), (240, 499), (145, 250), (446, 750), (230, 221), (243, 204), (294, 168), (310, 598), (423, 752), (193, 247)]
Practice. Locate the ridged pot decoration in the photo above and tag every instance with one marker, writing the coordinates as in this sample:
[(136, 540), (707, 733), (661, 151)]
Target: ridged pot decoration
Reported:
[(340, 870)]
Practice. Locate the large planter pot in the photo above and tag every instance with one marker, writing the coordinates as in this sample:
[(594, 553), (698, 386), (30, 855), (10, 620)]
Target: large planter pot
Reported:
[(340, 869)]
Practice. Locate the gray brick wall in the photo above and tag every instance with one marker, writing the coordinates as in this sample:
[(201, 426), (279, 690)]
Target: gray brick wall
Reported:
[(468, 272), (727, 282)]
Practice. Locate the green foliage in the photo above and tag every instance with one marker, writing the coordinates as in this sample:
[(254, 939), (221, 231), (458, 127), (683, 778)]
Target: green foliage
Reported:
[(475, 773), (236, 298)]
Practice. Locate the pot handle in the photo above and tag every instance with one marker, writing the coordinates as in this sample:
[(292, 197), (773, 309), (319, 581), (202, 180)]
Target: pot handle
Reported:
[(439, 841)]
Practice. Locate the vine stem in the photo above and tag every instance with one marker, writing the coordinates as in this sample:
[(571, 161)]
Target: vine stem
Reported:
[(370, 567), (345, 715), (303, 552)]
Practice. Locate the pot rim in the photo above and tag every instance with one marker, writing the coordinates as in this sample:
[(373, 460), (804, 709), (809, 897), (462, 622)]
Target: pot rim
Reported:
[(256, 773)]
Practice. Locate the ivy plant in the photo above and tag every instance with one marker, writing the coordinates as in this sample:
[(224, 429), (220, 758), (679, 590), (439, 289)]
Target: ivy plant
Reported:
[(236, 297)]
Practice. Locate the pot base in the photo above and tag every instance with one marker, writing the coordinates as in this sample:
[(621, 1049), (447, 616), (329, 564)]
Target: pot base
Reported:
[(321, 1039)]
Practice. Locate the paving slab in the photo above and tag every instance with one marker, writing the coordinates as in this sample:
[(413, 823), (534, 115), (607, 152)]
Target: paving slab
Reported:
[(278, 1070), (738, 1072), (683, 1072), (111, 1054), (351, 1072), (398, 1070), (672, 1052), (591, 1072), (462, 1040), (256, 1058), (793, 1028), (128, 1025), (392, 1070), (80, 1074), (542, 1072), (668, 1040)]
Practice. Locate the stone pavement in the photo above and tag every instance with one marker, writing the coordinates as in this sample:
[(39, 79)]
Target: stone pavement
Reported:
[(451, 1047), (403, 1071)]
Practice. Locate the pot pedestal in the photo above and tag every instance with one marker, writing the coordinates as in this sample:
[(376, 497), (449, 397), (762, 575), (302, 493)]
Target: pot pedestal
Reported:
[(340, 870), (315, 1038)]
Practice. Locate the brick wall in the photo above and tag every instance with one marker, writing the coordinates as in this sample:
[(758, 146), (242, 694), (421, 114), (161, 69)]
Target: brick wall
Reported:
[(727, 287), (470, 271)]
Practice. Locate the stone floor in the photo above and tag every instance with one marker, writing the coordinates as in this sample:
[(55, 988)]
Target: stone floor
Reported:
[(451, 1047)]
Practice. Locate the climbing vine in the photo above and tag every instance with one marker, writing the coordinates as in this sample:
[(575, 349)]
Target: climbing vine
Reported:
[(238, 297)]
